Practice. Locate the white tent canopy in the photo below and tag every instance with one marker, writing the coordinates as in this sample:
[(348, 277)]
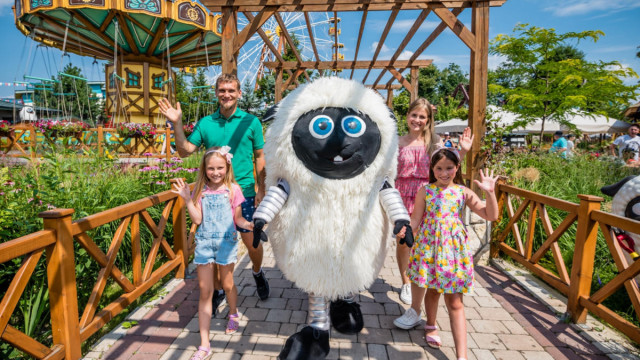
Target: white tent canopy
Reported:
[(586, 123)]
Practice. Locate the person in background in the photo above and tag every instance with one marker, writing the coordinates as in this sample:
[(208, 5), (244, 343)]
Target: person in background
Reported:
[(628, 143), (447, 140), (559, 144), (570, 145)]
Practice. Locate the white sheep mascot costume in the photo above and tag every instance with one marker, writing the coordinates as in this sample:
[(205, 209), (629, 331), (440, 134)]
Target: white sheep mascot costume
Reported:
[(626, 202), (330, 154)]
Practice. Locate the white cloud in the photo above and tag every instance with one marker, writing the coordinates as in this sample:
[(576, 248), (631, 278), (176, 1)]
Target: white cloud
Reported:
[(405, 25), (612, 49), (385, 49), (405, 55), (579, 7), (496, 60)]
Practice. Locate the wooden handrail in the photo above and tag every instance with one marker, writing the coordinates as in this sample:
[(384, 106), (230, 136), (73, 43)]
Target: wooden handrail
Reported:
[(57, 240)]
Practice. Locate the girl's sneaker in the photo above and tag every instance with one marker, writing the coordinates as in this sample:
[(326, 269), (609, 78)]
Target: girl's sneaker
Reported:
[(409, 320), (233, 324), (202, 353)]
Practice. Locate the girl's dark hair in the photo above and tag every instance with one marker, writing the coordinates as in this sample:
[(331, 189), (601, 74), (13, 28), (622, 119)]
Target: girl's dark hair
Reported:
[(450, 155)]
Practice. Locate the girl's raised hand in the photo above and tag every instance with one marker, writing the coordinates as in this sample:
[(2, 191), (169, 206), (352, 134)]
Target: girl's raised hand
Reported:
[(466, 140), (487, 180), (182, 189)]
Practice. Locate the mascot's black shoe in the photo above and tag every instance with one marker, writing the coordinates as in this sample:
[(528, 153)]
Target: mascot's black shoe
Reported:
[(308, 344), (346, 317)]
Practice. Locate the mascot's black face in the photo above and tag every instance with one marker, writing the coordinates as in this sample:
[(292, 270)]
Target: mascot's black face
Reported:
[(336, 143)]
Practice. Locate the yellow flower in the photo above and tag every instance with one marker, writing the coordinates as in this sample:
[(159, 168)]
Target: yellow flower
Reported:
[(430, 260), (465, 260), (465, 290), (440, 291), (421, 272)]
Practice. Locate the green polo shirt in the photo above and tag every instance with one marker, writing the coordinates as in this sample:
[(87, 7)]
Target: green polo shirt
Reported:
[(242, 132)]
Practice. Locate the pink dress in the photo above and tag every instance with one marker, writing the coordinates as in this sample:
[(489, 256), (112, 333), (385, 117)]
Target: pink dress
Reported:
[(413, 172)]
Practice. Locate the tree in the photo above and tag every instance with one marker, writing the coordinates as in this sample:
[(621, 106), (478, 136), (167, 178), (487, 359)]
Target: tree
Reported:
[(249, 101), (545, 78)]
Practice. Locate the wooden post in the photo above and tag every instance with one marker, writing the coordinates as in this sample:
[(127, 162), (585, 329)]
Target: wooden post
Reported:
[(494, 249), (61, 274), (100, 140), (583, 257), (229, 33), (415, 74), (167, 142), (390, 98), (478, 87), (180, 244), (33, 140), (279, 90)]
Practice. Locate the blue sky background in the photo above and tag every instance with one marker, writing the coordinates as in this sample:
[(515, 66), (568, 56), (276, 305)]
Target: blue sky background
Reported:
[(617, 18)]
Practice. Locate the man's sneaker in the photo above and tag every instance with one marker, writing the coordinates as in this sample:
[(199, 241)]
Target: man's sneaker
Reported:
[(409, 320), (405, 294), (262, 284), (217, 301)]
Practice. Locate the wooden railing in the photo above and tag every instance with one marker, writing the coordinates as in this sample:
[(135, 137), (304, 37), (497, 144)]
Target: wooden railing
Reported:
[(21, 143), (588, 220), (69, 328)]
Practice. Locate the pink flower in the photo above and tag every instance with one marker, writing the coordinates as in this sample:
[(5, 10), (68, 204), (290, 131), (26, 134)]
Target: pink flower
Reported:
[(160, 182), (9, 183)]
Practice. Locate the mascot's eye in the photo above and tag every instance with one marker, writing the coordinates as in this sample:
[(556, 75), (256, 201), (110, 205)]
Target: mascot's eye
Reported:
[(321, 126), (636, 209), (353, 126)]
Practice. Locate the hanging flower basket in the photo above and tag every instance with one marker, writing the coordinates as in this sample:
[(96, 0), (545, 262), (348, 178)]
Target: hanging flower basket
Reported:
[(188, 129), (136, 131), (5, 128), (61, 128)]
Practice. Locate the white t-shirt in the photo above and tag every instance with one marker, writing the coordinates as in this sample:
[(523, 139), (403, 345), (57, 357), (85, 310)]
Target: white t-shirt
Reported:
[(626, 141), (570, 147)]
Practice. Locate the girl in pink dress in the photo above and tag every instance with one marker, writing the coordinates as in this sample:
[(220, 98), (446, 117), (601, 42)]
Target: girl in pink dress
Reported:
[(440, 259), (413, 169)]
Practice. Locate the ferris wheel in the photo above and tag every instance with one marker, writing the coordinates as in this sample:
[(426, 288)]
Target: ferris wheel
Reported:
[(255, 52)]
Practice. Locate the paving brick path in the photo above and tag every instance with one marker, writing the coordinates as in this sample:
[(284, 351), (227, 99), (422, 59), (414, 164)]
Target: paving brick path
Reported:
[(504, 322)]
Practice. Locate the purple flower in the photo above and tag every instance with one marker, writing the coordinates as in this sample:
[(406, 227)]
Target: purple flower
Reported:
[(29, 200), (1, 192), (147, 154), (49, 206), (9, 183), (160, 182)]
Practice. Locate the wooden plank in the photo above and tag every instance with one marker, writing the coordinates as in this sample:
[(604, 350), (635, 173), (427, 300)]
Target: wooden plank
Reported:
[(103, 274), (361, 64), (312, 39), (617, 321), (95, 252), (555, 235), (16, 288), (151, 225), (136, 253), (414, 28), (111, 310), (253, 26), (127, 34), (621, 264), (622, 223), (398, 76), (383, 37), (287, 37), (292, 78), (415, 77), (270, 45), (229, 33), (363, 21), (57, 353), (531, 228), (546, 275), (457, 26), (151, 258), (340, 5), (25, 343), (26, 244), (514, 219), (542, 199), (158, 36)]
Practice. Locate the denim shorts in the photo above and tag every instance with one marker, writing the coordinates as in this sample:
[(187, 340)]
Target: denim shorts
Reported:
[(248, 208), (219, 248)]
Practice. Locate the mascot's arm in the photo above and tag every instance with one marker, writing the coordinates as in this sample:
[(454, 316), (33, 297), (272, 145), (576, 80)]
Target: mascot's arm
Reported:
[(393, 206), (268, 209)]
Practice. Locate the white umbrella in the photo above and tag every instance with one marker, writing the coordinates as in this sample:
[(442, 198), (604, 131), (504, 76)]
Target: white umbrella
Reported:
[(597, 124), (453, 125)]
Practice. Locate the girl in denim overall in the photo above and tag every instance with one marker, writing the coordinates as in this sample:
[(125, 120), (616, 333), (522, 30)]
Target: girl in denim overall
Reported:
[(215, 207)]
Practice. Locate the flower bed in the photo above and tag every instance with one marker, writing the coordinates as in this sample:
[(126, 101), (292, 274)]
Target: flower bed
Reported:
[(188, 129), (61, 128), (136, 130), (5, 128)]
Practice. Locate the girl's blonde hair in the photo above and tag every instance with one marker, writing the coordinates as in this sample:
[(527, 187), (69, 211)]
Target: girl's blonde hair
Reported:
[(431, 140), (202, 180)]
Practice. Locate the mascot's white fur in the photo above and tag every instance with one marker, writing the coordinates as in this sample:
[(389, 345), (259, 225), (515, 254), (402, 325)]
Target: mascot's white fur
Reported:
[(626, 202), (330, 238), (331, 155)]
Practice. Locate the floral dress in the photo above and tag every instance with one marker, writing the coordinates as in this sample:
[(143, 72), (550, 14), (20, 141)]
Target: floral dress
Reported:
[(413, 173), (441, 258)]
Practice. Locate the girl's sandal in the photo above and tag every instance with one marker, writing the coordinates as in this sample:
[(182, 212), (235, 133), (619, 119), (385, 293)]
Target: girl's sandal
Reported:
[(201, 354), (433, 341), (232, 325)]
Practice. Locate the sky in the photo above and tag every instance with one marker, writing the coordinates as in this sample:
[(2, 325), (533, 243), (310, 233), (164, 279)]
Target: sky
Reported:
[(618, 19)]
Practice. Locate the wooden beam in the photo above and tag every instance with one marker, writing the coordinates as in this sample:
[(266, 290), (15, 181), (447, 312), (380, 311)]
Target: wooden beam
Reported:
[(416, 25), (384, 86), (362, 64), (72, 36), (292, 78), (311, 37), (383, 37), (415, 74), (270, 45), (159, 35), (184, 42), (138, 24), (457, 26), (89, 25), (127, 34), (278, 89), (229, 33), (362, 22), (478, 87), (253, 26), (285, 32), (341, 5), (398, 76), (107, 21), (72, 45)]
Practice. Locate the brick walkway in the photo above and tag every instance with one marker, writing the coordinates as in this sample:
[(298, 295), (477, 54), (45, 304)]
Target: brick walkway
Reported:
[(504, 322)]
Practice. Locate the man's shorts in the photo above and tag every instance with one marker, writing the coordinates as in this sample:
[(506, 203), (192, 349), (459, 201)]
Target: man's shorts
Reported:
[(248, 208)]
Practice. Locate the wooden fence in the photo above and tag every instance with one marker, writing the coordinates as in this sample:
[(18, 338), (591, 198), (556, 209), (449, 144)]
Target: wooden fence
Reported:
[(20, 142), (70, 327), (589, 221)]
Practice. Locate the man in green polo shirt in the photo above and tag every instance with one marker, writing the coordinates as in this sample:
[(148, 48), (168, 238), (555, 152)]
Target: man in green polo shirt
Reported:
[(243, 133)]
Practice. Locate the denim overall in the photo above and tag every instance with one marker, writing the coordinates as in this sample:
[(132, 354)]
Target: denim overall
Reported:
[(216, 238)]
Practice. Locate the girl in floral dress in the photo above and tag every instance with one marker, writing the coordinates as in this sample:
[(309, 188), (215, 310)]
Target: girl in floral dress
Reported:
[(440, 260), (413, 169)]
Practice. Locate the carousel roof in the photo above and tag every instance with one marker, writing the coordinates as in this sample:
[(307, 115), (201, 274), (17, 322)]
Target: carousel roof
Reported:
[(144, 28)]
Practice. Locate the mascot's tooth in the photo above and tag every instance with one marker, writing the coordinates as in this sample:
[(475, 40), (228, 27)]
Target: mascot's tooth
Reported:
[(338, 158)]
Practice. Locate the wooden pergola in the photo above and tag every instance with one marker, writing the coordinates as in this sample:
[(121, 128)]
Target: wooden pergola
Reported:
[(476, 39)]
